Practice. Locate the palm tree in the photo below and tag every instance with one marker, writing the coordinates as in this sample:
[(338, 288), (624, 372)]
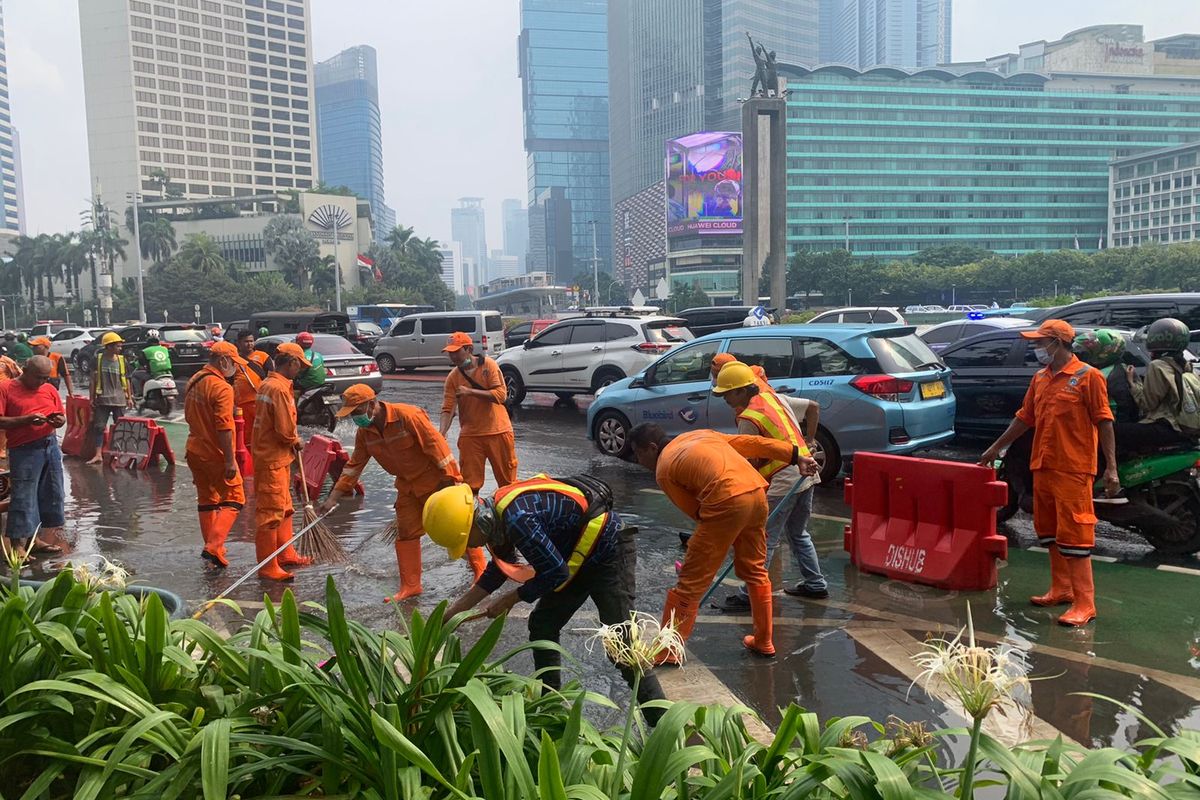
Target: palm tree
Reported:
[(25, 261), (397, 238), (201, 252), (159, 177), (158, 238)]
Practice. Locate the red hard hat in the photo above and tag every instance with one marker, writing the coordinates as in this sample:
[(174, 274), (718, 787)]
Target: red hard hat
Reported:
[(304, 339)]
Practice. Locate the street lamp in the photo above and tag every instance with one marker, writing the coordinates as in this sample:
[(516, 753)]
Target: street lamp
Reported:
[(595, 266), (133, 198), (953, 294)]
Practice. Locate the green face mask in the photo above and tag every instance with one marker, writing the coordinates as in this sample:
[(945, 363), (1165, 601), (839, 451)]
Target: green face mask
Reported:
[(361, 420)]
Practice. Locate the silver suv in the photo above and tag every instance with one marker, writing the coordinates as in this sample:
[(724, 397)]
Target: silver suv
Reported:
[(584, 354)]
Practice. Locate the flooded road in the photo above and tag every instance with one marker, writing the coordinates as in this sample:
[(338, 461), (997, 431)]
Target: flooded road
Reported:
[(850, 654)]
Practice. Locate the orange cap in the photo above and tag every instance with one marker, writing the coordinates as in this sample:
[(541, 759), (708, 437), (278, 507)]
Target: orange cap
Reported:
[(458, 340), (721, 359), (294, 350), (1052, 329), (223, 348), (39, 341), (259, 357), (354, 397)]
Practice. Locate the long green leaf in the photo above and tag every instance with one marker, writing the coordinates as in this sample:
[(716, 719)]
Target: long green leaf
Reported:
[(485, 705), (550, 779), (396, 741), (214, 760)]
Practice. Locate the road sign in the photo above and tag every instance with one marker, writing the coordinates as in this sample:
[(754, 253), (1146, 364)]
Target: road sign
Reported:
[(87, 315), (638, 298), (662, 291)]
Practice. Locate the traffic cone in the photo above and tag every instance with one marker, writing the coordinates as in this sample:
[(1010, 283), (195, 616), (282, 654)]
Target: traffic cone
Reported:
[(681, 613), (761, 607), (1060, 582), (477, 560), (1083, 608), (408, 561)]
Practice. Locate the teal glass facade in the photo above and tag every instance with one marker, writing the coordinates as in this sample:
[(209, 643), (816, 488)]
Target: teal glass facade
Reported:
[(896, 162)]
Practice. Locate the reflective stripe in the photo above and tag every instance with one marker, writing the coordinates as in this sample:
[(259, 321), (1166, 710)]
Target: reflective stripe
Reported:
[(772, 419), (538, 483), (445, 461), (587, 538), (584, 547)]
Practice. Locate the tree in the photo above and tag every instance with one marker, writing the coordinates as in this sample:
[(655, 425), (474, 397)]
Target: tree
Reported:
[(687, 295), (158, 238), (201, 253), (294, 249), (951, 255)]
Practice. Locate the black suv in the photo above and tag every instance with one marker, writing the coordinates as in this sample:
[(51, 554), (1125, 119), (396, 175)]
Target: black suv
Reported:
[(710, 319), (188, 345), (1132, 311)]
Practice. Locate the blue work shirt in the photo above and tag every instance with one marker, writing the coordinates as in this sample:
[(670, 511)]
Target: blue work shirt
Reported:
[(544, 526)]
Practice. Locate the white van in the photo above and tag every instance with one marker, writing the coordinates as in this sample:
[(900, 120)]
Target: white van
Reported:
[(417, 340)]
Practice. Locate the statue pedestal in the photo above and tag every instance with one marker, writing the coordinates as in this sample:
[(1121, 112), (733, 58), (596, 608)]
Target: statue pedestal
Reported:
[(764, 197)]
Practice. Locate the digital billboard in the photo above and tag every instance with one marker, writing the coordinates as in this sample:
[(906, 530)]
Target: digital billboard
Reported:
[(704, 184)]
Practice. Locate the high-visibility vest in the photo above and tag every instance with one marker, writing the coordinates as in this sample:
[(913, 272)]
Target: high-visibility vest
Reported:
[(587, 538), (98, 382), (771, 417)]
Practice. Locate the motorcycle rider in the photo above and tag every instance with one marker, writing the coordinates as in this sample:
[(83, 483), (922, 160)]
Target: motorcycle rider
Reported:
[(1169, 394), (153, 362), (313, 376)]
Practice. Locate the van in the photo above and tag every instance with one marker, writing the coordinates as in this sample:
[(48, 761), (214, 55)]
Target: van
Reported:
[(278, 323), (417, 340)]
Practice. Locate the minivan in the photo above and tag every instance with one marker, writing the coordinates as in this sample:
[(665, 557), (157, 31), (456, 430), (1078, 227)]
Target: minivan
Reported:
[(1129, 311), (278, 323), (417, 340)]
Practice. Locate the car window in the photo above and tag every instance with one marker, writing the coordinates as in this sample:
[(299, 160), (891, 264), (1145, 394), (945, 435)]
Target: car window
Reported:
[(775, 354), (185, 335), (856, 316), (1085, 316), (615, 331), (1189, 313), (686, 364), (820, 358), (587, 333), (972, 329), (986, 353), (667, 331), (465, 324), (492, 322), (334, 346), (432, 325), (97, 332), (132, 334), (405, 327), (828, 316), (520, 330), (1030, 357), (944, 334), (1134, 317), (69, 333), (901, 353), (557, 334)]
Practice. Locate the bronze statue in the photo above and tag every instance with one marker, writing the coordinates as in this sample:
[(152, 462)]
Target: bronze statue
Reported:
[(766, 72)]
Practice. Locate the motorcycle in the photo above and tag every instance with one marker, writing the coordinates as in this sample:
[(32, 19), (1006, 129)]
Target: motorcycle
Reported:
[(316, 407), (158, 394), (1160, 498)]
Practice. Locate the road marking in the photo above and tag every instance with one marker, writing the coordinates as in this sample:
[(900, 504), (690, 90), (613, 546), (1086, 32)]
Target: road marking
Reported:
[(1181, 570), (696, 683), (831, 518), (652, 491)]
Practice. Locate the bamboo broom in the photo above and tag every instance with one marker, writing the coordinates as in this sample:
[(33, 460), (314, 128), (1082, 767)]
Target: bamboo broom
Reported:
[(321, 544)]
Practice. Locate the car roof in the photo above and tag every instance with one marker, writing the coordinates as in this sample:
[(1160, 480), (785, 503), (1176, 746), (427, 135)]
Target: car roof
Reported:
[(1013, 331), (993, 322), (426, 314), (1137, 298), (858, 308), (833, 332)]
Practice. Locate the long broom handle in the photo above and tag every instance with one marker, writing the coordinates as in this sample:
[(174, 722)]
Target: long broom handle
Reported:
[(303, 481), (209, 603), (725, 573)]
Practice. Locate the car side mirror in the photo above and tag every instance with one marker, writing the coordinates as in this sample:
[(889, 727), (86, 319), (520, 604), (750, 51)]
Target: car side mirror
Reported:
[(638, 383), (531, 343)]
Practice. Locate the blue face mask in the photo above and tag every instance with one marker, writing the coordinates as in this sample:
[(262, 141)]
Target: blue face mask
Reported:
[(361, 420)]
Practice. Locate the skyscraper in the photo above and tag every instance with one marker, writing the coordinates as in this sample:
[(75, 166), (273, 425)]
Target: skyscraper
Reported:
[(452, 267), (550, 223), (349, 129), (468, 229), (896, 33), (564, 93), (219, 97), (11, 213), (515, 219)]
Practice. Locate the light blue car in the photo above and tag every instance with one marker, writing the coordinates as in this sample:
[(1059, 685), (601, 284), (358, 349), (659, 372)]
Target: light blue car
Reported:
[(880, 389)]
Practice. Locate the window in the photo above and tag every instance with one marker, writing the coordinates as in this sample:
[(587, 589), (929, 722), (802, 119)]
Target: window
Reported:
[(901, 353), (686, 364), (615, 331), (69, 333), (1137, 316), (405, 327), (856, 316), (587, 333), (554, 335), (775, 354), (820, 358), (463, 324), (493, 322), (1093, 315), (988, 353), (945, 334)]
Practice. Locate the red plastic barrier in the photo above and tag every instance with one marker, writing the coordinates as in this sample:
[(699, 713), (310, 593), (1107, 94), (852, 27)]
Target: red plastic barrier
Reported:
[(323, 458), (79, 421), (136, 442), (925, 521), (241, 453)]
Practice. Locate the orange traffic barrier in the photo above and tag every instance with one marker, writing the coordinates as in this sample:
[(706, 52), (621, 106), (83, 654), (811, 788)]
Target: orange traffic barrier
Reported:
[(136, 442), (323, 458), (79, 423)]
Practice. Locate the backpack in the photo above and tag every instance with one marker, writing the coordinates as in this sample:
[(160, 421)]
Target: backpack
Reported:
[(598, 493), (1188, 384)]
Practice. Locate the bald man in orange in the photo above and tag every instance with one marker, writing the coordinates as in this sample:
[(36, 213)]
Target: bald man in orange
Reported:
[(208, 409), (274, 447), (706, 475), (403, 440)]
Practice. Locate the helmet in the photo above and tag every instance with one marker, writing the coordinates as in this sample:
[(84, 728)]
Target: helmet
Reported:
[(22, 337), (152, 335), (448, 516), (1100, 348), (734, 375), (304, 339), (110, 338), (1166, 335), (263, 331)]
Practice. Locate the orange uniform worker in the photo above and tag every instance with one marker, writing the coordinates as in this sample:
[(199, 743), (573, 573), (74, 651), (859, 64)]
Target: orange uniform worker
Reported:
[(59, 372), (403, 440), (1066, 405), (274, 446), (476, 389), (9, 370), (252, 371), (721, 359), (208, 408), (706, 475)]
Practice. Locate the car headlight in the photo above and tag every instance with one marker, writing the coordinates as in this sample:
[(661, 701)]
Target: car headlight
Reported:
[(600, 391)]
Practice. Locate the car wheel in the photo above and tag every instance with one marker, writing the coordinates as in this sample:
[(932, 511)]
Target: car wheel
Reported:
[(612, 434), (604, 377), (387, 364), (829, 458), (564, 395), (514, 385)]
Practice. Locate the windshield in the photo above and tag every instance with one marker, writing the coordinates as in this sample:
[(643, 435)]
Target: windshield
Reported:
[(334, 346), (902, 353), (185, 335), (669, 331)]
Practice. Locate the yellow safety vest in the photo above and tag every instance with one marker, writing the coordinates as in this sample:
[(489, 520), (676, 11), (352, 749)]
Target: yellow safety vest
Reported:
[(587, 539), (767, 412), (97, 381)]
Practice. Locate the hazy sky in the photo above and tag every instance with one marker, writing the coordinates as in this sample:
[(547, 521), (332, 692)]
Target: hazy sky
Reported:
[(450, 96)]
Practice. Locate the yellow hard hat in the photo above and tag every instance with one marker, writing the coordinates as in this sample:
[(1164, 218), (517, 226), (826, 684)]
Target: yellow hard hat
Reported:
[(734, 375), (448, 516), (110, 338)]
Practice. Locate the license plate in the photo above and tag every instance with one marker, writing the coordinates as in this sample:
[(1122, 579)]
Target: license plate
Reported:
[(932, 391)]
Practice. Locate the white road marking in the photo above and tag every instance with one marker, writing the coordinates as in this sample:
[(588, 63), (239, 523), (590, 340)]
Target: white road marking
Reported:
[(1181, 570)]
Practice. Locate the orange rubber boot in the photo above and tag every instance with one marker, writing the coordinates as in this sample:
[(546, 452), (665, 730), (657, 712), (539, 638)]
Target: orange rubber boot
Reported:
[(680, 612), (1060, 582), (477, 560), (289, 557), (408, 561), (223, 519), (207, 523), (1083, 609), (761, 607), (264, 544)]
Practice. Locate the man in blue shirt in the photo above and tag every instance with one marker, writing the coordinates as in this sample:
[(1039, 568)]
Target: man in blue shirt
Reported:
[(573, 545)]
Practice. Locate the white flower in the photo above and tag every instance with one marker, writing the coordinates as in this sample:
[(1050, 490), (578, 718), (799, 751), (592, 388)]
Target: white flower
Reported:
[(110, 576), (639, 642)]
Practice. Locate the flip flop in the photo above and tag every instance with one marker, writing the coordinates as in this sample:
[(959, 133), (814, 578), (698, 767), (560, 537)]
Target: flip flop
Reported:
[(42, 547)]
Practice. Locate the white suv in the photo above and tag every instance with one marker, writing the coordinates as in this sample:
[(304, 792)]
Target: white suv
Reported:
[(584, 354)]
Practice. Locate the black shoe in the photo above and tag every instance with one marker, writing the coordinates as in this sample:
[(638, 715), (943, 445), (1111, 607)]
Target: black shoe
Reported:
[(733, 604), (800, 590)]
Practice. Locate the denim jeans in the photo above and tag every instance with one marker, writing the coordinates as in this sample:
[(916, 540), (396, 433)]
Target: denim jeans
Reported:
[(793, 518), (37, 487)]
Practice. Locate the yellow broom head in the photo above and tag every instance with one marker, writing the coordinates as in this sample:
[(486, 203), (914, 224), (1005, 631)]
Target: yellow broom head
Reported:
[(389, 534), (320, 544)]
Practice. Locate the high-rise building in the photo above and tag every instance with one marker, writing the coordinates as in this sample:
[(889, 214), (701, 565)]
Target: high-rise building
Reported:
[(12, 216), (1155, 197), (641, 237), (897, 33), (218, 97), (502, 265), (452, 267), (467, 227), (349, 129), (564, 93), (515, 219), (550, 237)]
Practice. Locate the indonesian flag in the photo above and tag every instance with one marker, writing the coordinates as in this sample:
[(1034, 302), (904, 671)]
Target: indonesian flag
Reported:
[(369, 265)]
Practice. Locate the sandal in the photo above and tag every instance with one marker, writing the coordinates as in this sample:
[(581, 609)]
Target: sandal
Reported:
[(43, 547)]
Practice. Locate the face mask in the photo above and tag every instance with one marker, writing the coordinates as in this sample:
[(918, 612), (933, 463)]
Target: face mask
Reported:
[(230, 371), (1043, 355), (361, 420)]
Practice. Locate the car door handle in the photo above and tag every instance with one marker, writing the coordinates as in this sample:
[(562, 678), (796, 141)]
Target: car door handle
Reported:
[(696, 398), (786, 390), (597, 349), (556, 352)]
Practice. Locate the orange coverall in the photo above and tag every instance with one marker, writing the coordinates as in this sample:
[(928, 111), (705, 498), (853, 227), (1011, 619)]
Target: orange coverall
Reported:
[(9, 370), (485, 430), (208, 409), (275, 436), (246, 383), (412, 450)]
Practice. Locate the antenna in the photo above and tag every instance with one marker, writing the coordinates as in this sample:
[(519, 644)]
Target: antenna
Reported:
[(875, 311)]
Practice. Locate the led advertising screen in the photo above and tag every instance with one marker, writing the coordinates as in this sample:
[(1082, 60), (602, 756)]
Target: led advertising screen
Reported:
[(704, 184)]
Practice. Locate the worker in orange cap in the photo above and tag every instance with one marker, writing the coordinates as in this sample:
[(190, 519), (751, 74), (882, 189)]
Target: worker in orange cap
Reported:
[(706, 475), (475, 388), (721, 359), (1067, 407), (252, 371), (59, 373), (274, 446), (208, 408), (403, 440)]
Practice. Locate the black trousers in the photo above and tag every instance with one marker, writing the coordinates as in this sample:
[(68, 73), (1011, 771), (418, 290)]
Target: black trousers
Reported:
[(1143, 438), (610, 585)]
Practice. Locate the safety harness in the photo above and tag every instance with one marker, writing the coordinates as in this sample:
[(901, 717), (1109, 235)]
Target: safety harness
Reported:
[(767, 413)]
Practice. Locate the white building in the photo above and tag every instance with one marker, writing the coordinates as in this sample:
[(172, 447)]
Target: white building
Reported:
[(502, 265), (452, 267), (12, 214), (217, 95)]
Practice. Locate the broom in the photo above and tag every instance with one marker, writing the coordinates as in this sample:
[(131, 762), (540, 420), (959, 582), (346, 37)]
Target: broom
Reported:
[(321, 544)]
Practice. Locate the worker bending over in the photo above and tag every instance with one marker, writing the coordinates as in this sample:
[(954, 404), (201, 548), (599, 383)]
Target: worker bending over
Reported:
[(476, 389), (208, 409), (274, 447), (574, 547), (402, 439), (706, 475)]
